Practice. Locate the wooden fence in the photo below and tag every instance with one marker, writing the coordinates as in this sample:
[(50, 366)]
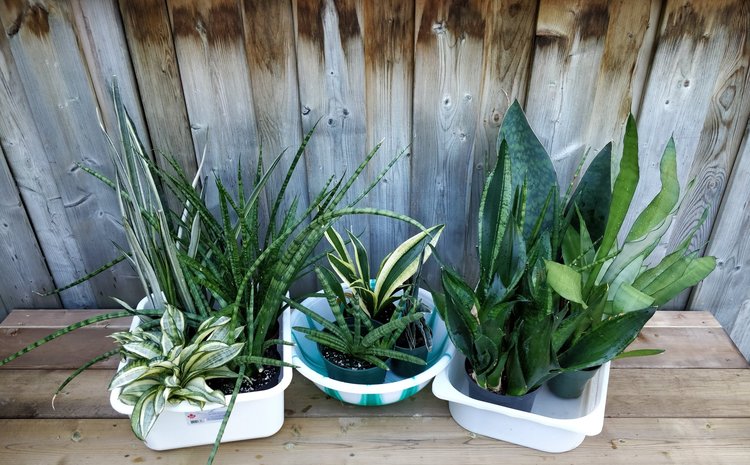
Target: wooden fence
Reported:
[(435, 76)]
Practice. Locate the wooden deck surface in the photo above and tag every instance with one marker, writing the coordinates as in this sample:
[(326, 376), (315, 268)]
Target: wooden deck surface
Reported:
[(688, 406)]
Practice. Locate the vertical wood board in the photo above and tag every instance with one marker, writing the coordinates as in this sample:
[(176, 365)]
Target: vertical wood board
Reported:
[(272, 62), (213, 68), (388, 33), (583, 76), (726, 292), (506, 65), (102, 40), (23, 270), (449, 50), (149, 38), (696, 92), (63, 105), (331, 67)]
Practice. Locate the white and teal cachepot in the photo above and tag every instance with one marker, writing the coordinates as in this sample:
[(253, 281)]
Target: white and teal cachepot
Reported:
[(309, 362)]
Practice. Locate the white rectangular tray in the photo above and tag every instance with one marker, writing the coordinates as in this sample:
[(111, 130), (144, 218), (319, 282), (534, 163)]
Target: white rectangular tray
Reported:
[(553, 425)]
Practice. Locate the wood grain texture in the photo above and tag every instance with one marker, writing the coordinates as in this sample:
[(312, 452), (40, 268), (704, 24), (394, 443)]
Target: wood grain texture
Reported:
[(714, 349), (508, 47), (22, 146), (149, 39), (208, 39), (583, 75), (331, 67), (102, 40), (373, 440), (63, 105), (447, 88), (727, 290), (23, 327), (269, 47), (696, 91), (632, 392), (388, 35), (272, 63), (678, 393), (24, 270)]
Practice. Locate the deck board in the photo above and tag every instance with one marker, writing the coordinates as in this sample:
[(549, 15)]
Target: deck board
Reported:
[(367, 440), (688, 405)]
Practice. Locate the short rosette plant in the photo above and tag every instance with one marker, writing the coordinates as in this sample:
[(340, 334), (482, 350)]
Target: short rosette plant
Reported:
[(161, 367)]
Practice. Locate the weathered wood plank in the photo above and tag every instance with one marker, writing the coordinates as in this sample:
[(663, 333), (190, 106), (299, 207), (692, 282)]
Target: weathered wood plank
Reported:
[(24, 271), (149, 38), (24, 152), (269, 47), (652, 393), (508, 46), (102, 40), (678, 393), (271, 59), (683, 319), (583, 75), (388, 34), (727, 290), (447, 89), (23, 327), (208, 39), (331, 67), (57, 85), (697, 91), (373, 440), (685, 348)]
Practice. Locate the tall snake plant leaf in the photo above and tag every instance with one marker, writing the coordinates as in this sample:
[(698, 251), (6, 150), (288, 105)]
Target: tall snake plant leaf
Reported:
[(402, 263), (456, 307), (665, 200), (360, 260), (494, 210), (593, 195), (605, 341), (654, 220), (696, 270), (622, 196), (530, 165)]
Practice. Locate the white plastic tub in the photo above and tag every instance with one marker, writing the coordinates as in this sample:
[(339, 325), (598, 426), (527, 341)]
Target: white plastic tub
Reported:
[(553, 425), (255, 414), (306, 357)]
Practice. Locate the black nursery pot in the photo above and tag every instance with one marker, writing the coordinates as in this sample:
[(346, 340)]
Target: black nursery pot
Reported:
[(523, 403), (570, 384), (349, 369), (408, 369)]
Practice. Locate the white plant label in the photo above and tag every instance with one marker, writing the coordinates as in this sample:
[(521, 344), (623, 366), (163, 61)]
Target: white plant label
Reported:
[(208, 416)]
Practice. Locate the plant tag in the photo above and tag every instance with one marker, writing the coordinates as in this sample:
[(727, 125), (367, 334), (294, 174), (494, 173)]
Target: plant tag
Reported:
[(208, 416)]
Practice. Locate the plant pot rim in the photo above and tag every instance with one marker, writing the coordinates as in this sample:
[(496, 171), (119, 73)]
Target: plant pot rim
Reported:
[(186, 407)]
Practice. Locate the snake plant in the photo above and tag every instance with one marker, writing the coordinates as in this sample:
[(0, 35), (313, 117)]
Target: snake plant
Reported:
[(504, 323), (394, 271), (555, 290), (353, 332), (609, 290), (162, 367), (228, 264)]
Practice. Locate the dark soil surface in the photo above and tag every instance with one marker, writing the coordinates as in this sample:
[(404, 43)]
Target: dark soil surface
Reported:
[(344, 360), (261, 381)]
